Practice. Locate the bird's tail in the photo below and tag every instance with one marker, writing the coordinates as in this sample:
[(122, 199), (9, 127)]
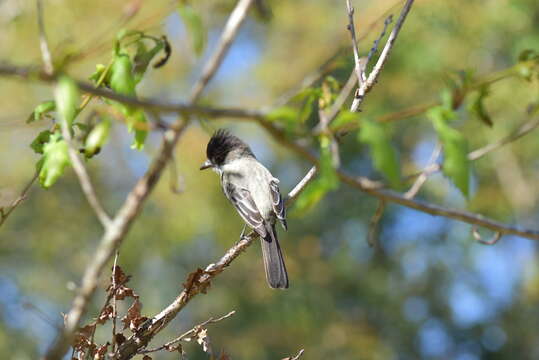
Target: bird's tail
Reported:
[(276, 274)]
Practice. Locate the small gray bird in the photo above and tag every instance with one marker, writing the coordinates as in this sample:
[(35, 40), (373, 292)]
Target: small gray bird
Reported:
[(254, 192)]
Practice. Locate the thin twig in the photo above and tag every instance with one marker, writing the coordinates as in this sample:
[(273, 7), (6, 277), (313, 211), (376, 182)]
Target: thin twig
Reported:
[(374, 47), (84, 178), (114, 310), (359, 65), (43, 43), (190, 332), (493, 240), (373, 76), (372, 236), (422, 178), (297, 356), (4, 215)]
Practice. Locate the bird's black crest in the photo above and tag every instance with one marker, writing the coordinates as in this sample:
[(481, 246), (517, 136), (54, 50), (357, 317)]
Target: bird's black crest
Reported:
[(222, 143)]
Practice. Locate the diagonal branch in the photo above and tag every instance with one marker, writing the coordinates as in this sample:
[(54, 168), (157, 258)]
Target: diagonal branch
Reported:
[(43, 43), (373, 76)]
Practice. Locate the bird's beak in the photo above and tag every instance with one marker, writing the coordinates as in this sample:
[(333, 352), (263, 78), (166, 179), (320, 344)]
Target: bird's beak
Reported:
[(207, 164)]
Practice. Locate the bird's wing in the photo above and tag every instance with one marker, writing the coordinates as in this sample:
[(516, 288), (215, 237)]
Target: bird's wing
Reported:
[(243, 202), (278, 202)]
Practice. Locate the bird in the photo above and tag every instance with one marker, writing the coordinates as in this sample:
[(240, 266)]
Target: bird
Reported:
[(254, 192)]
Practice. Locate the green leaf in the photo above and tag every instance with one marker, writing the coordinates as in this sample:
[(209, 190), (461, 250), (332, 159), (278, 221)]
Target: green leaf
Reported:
[(41, 110), (55, 159), (456, 165), (327, 180), (123, 82), (97, 138), (143, 57), (137, 123), (41, 139), (121, 77), (344, 121), (383, 154), (287, 116), (67, 99), (477, 106), (194, 25)]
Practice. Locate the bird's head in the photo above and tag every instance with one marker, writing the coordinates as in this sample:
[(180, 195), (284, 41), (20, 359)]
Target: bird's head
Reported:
[(223, 148)]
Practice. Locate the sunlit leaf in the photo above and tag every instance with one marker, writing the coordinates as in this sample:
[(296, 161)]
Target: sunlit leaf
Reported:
[(67, 99), (123, 82), (41, 139), (143, 57), (456, 164), (384, 155), (477, 106), (55, 159), (41, 110), (285, 115), (99, 69), (97, 138), (195, 27)]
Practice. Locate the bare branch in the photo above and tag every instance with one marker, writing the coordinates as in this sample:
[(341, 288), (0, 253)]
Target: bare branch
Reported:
[(188, 333), (524, 129), (43, 43), (84, 178), (5, 214), (495, 238), (373, 76), (294, 193), (359, 64), (297, 356), (422, 178), (372, 236)]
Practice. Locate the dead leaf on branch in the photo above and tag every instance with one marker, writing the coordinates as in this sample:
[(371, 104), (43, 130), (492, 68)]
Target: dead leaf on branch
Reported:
[(133, 314), (105, 315), (193, 282), (124, 291), (204, 340), (82, 340), (101, 351)]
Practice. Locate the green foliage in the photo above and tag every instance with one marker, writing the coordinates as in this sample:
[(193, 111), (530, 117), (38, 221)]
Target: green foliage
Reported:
[(123, 82), (55, 159), (41, 111), (97, 138), (326, 181), (456, 164), (477, 106), (346, 120), (306, 97), (67, 99), (286, 116), (383, 154), (195, 27), (528, 64), (41, 139)]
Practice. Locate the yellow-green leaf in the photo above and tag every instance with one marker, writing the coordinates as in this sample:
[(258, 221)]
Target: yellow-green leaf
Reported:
[(55, 159), (194, 25), (97, 138), (67, 99), (383, 154), (456, 165), (40, 111)]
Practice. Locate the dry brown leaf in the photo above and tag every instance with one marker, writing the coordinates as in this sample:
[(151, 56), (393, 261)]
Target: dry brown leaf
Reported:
[(133, 314), (204, 340)]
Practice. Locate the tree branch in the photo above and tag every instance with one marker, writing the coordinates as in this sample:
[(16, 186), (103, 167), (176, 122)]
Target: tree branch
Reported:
[(373, 76)]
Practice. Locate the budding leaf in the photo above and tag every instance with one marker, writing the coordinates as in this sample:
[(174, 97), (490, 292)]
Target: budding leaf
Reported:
[(67, 99), (55, 159), (97, 138), (344, 121), (456, 165), (41, 110), (41, 139), (383, 154), (194, 25)]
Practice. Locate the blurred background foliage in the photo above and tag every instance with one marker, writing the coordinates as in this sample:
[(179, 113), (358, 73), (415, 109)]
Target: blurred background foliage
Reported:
[(428, 291)]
